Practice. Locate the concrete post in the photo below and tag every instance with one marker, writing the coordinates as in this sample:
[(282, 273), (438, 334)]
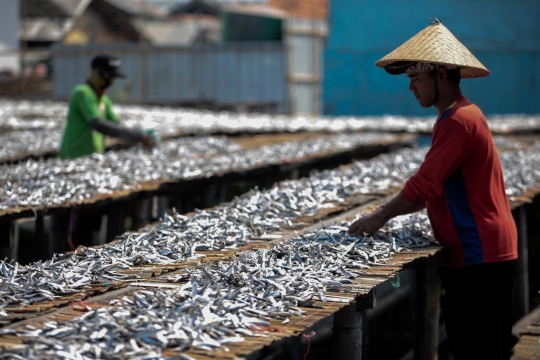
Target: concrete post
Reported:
[(428, 290), (348, 333), (521, 269)]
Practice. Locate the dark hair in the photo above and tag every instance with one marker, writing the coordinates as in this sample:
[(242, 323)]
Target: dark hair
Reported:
[(454, 75)]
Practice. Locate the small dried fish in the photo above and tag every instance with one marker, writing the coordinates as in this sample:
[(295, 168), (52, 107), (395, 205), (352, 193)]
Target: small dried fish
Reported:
[(220, 302), (253, 215), (17, 144), (172, 121), (54, 182)]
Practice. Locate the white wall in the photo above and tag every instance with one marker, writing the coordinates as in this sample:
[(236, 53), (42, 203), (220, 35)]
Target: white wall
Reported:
[(9, 35)]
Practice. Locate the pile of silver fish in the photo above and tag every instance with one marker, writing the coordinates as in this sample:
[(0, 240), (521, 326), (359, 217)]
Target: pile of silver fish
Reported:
[(521, 169), (267, 284), (54, 181), (197, 146), (520, 163), (21, 144), (224, 302), (254, 215), (171, 121), (173, 148), (47, 119), (28, 115)]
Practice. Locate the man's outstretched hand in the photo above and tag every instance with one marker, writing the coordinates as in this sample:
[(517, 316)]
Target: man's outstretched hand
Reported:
[(148, 141), (368, 224), (376, 220)]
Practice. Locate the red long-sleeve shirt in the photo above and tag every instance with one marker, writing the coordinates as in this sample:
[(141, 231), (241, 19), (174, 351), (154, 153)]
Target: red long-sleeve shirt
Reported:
[(461, 182)]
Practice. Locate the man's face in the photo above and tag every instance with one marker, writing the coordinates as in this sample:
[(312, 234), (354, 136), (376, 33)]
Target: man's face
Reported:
[(423, 88), (107, 77)]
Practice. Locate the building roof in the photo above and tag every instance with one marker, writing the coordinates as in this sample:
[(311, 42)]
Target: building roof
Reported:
[(55, 9), (307, 9), (41, 29), (48, 20), (186, 32), (256, 10), (201, 7), (208, 7), (51, 20), (136, 8)]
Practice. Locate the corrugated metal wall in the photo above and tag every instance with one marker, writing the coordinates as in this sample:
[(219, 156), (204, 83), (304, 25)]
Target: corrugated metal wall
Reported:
[(9, 36), (504, 35), (224, 74), (305, 39)]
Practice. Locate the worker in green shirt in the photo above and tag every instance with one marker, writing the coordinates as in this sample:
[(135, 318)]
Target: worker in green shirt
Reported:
[(90, 117)]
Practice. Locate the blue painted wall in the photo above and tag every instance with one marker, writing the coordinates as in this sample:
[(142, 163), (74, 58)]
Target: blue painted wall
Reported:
[(503, 34)]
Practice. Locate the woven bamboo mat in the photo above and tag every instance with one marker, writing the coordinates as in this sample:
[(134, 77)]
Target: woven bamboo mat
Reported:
[(528, 347)]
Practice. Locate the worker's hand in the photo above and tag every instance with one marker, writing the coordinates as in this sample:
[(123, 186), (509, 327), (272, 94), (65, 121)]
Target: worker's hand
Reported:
[(368, 224), (148, 142)]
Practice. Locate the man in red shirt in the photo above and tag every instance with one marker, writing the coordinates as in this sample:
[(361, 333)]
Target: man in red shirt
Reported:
[(461, 184)]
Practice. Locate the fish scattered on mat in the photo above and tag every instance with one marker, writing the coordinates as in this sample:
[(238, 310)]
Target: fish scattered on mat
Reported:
[(55, 182), (219, 303), (170, 121)]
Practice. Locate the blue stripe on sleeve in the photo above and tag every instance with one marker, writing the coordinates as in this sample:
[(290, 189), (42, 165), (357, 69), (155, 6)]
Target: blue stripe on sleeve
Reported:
[(462, 216)]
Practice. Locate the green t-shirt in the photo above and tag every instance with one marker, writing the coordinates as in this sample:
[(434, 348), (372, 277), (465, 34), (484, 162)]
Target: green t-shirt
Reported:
[(79, 139)]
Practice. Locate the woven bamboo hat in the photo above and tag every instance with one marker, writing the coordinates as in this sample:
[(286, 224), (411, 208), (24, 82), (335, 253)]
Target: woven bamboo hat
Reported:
[(434, 45)]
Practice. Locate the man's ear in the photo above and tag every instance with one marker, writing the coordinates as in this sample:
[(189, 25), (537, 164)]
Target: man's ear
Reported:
[(442, 74)]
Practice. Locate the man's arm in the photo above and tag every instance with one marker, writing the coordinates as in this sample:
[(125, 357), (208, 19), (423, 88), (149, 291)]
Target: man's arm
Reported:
[(447, 152), (118, 131), (88, 108), (112, 129), (373, 222), (110, 115)]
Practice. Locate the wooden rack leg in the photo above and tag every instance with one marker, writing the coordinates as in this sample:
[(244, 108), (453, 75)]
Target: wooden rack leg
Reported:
[(159, 204), (428, 289), (224, 191), (210, 194), (162, 202), (141, 216), (116, 220), (15, 240), (39, 236), (9, 240), (348, 333)]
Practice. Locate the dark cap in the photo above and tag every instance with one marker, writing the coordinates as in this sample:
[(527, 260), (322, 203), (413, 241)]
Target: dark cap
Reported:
[(108, 63)]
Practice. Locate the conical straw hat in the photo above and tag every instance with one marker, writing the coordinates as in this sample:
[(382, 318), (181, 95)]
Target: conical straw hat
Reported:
[(436, 45)]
